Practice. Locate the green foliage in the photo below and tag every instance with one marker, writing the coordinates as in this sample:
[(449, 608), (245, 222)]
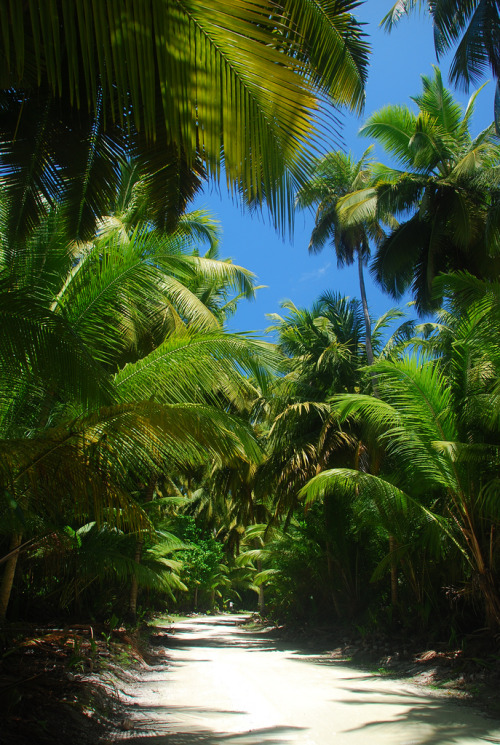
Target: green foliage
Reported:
[(433, 418), (85, 85), (444, 192), (203, 572), (315, 569)]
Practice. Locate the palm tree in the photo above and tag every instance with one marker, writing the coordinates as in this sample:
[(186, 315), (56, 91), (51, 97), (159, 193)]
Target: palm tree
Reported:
[(187, 87), (110, 368), (76, 565), (470, 25), (436, 417), (332, 177), (444, 193)]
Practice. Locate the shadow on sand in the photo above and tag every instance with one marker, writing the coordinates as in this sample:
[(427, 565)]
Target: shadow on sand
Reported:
[(437, 721)]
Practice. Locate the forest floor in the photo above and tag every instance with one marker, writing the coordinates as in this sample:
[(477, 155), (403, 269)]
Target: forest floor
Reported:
[(84, 682), (62, 685)]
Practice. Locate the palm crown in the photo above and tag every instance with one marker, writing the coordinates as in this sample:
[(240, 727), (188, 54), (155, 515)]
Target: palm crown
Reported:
[(443, 193)]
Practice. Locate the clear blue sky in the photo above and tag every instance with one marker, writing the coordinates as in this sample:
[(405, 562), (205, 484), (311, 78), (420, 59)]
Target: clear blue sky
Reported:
[(285, 267)]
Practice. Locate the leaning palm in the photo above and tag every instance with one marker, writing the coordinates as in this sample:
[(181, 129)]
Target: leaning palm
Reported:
[(438, 426)]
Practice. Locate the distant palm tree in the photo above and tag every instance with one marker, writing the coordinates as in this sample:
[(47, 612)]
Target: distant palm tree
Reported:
[(444, 192), (332, 177)]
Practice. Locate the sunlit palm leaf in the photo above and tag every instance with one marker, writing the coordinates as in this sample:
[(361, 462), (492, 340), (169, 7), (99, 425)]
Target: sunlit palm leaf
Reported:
[(233, 83)]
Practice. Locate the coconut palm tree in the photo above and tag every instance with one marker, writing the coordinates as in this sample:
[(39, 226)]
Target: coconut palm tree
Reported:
[(110, 368), (187, 87), (333, 177), (444, 193), (438, 423), (472, 26)]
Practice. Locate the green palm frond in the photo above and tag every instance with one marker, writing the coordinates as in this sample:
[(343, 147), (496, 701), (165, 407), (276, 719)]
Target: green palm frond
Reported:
[(39, 350), (229, 83), (438, 103), (52, 154), (193, 367), (326, 25), (399, 9), (142, 290), (475, 53), (87, 463), (393, 126), (202, 227), (418, 388), (392, 503)]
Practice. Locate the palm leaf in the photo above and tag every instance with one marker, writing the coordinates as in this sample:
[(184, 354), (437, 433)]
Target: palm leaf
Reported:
[(232, 83)]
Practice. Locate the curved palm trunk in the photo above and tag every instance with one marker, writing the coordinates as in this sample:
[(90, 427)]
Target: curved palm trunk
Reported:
[(366, 314)]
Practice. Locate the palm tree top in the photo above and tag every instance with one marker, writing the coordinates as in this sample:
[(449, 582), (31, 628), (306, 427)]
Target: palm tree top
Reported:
[(332, 177), (432, 139), (442, 188)]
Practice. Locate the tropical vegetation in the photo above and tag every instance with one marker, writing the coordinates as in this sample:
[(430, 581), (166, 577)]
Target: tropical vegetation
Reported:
[(191, 88), (347, 468)]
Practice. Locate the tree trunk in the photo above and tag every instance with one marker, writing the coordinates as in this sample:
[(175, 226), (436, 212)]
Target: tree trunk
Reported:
[(329, 565), (134, 586), (489, 589), (394, 572), (262, 603), (366, 314), (8, 575)]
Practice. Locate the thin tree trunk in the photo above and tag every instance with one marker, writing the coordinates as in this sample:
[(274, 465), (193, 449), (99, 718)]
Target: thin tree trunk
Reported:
[(262, 603), (489, 590), (394, 572), (8, 575), (333, 594), (134, 585), (366, 314)]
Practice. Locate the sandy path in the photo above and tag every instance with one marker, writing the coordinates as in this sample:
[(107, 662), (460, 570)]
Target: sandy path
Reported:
[(226, 686)]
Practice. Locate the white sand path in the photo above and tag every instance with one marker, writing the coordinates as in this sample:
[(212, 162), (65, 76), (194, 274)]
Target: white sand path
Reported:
[(223, 685)]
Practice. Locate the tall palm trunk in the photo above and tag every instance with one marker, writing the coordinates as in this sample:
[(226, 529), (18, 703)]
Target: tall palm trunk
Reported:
[(370, 359), (366, 313), (8, 575), (134, 585)]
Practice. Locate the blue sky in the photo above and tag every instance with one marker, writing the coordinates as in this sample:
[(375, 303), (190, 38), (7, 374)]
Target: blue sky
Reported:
[(285, 267)]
